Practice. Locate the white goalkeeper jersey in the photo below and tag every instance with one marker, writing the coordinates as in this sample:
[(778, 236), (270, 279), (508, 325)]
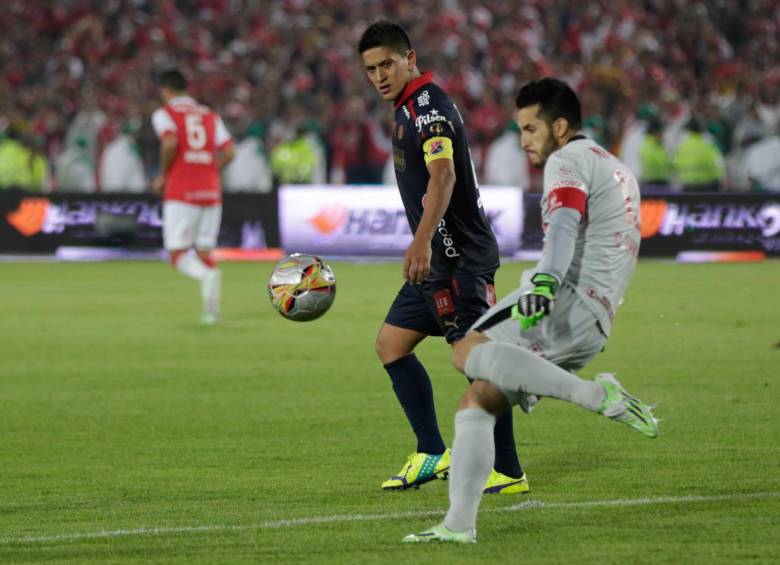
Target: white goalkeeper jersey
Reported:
[(584, 176)]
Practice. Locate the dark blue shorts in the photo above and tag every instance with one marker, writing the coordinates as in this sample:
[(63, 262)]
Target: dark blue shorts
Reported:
[(445, 307)]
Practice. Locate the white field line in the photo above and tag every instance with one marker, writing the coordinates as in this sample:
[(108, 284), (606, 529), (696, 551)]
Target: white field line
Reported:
[(313, 520)]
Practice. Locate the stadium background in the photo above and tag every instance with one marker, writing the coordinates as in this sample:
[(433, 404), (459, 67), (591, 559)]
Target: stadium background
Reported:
[(130, 433)]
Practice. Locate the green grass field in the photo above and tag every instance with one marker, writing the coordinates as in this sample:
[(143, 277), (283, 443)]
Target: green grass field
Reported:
[(130, 433)]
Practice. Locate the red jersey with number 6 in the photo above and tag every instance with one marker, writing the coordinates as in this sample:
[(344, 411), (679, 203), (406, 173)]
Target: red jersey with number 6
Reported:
[(193, 176)]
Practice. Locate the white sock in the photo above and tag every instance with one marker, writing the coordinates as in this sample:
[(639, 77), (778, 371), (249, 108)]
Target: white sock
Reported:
[(473, 455), (514, 368), (211, 291), (189, 264)]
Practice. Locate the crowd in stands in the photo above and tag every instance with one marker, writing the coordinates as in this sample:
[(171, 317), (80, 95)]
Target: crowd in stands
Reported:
[(686, 92)]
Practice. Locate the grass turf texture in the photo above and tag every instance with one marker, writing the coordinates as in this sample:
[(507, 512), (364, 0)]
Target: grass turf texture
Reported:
[(118, 412)]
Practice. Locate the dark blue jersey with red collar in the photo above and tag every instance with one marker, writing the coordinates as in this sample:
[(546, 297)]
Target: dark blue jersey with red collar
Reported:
[(428, 126)]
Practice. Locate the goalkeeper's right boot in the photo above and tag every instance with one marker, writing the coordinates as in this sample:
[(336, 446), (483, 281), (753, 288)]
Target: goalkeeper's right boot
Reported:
[(441, 532), (419, 469), (622, 407)]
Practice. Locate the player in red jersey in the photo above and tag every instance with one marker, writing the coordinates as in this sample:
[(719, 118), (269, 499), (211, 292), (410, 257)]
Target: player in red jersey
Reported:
[(194, 147)]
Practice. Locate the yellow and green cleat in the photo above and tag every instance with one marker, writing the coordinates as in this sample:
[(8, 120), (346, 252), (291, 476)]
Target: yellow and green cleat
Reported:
[(419, 469), (620, 406), (498, 483)]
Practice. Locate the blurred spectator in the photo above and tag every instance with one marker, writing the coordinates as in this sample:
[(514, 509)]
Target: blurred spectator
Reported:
[(294, 161), (22, 163), (506, 162), (762, 164), (737, 178), (74, 169), (121, 168), (249, 171), (359, 148), (656, 164), (698, 162), (595, 127), (634, 138)]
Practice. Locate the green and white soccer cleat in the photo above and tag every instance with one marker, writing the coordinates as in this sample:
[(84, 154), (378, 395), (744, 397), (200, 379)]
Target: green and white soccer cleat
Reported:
[(441, 532), (622, 407), (499, 483), (419, 469)]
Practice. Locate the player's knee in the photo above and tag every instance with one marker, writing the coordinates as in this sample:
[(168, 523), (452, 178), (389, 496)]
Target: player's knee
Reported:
[(386, 349), (462, 348)]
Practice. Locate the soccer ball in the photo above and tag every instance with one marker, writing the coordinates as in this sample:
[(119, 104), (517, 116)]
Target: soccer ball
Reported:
[(302, 287)]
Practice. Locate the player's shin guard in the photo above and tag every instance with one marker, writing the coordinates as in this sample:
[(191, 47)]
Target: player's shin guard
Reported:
[(514, 368), (472, 460)]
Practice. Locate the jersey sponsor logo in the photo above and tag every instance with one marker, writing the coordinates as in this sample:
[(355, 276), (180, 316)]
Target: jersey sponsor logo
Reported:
[(446, 238), (406, 111), (424, 99), (443, 301), (429, 118), (399, 159)]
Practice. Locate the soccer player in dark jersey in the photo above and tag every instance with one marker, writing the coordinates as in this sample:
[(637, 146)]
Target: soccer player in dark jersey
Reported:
[(450, 264)]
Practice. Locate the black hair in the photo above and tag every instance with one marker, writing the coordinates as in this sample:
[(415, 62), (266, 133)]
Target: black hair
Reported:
[(385, 34), (556, 100), (173, 79)]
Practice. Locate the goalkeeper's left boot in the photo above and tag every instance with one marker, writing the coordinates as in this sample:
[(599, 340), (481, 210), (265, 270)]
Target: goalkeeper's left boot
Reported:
[(419, 469), (441, 532), (499, 483), (622, 407)]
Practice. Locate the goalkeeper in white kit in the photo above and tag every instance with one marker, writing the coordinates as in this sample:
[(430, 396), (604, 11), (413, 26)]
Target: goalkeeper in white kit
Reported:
[(524, 348)]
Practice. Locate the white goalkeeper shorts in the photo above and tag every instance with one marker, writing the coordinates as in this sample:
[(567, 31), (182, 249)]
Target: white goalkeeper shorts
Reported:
[(187, 225), (569, 337)]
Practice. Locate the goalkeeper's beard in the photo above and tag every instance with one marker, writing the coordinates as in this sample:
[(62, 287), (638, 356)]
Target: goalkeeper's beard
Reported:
[(544, 153)]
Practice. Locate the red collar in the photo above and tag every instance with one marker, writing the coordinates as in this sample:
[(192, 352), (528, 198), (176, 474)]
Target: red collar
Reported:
[(412, 86)]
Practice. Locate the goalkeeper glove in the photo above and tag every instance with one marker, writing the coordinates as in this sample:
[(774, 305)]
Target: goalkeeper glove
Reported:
[(535, 304)]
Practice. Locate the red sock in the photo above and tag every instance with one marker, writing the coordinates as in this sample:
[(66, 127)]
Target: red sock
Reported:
[(175, 256), (205, 256)]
